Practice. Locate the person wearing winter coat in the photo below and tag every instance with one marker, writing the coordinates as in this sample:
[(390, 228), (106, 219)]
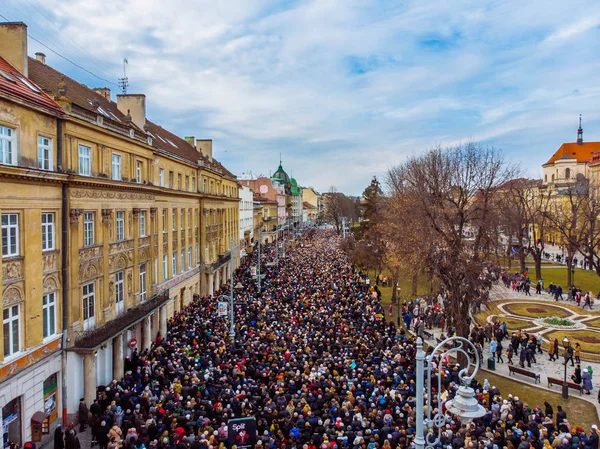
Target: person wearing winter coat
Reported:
[(587, 381), (59, 442)]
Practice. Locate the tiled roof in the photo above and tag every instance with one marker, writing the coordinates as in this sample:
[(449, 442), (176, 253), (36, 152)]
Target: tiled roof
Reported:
[(88, 99), (79, 94), (308, 205), (582, 153), (14, 83)]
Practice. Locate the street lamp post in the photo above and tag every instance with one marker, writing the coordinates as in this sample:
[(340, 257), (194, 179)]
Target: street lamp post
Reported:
[(259, 243), (464, 404), (565, 387)]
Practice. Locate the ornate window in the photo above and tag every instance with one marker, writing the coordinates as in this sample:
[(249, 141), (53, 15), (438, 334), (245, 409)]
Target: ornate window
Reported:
[(48, 231), (89, 306), (88, 229), (49, 314), (44, 153), (116, 167), (143, 282), (85, 160), (12, 330), (120, 225), (10, 235)]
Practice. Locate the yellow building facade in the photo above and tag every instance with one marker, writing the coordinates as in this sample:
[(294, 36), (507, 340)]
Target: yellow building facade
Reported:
[(149, 218)]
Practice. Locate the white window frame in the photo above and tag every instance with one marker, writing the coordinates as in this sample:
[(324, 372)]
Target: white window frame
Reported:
[(117, 164), (173, 216), (138, 172), (88, 228), (88, 296), (182, 260), (45, 149), (143, 282), (119, 291), (165, 268), (8, 145), (85, 160), (10, 234), (48, 231), (161, 177), (120, 226), (174, 263), (9, 320), (142, 223), (190, 261), (49, 315)]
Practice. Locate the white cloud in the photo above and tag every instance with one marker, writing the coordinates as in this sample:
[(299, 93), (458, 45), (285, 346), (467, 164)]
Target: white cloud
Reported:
[(343, 88)]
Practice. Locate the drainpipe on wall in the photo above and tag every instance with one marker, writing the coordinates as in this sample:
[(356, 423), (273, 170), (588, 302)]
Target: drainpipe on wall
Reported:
[(64, 266)]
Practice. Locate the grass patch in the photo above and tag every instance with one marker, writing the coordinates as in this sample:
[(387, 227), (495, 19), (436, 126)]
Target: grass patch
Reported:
[(514, 324), (423, 287), (584, 279), (594, 322), (579, 412), (588, 339), (535, 310)]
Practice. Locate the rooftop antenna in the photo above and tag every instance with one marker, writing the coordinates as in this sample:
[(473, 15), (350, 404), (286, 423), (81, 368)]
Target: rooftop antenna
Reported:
[(124, 82)]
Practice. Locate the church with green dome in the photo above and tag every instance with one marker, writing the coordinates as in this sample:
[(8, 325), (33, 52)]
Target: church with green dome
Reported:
[(293, 195)]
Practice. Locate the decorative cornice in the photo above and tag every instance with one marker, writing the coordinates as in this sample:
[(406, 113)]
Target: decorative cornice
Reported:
[(153, 211)]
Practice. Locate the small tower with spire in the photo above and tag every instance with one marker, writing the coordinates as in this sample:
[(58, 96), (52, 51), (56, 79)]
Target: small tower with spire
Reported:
[(580, 133)]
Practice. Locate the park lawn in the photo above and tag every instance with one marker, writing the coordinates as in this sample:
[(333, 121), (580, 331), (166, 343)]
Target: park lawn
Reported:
[(579, 412), (535, 310), (587, 280), (405, 288), (588, 339)]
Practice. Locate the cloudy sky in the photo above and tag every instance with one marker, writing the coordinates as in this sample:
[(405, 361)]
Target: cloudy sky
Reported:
[(343, 89)]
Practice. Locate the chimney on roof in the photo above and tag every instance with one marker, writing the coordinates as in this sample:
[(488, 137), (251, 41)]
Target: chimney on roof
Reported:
[(104, 91), (135, 105), (41, 57), (13, 45), (204, 147), (191, 140)]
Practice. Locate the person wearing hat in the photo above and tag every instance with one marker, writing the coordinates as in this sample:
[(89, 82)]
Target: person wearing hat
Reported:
[(593, 438)]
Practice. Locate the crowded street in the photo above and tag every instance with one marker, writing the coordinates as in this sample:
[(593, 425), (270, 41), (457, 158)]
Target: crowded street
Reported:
[(313, 361)]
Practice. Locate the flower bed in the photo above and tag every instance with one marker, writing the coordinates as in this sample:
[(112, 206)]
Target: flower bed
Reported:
[(562, 322)]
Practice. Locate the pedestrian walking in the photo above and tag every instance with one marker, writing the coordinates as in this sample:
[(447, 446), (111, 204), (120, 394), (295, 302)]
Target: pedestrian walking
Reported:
[(499, 352), (82, 415), (577, 352), (569, 354), (509, 354), (551, 346)]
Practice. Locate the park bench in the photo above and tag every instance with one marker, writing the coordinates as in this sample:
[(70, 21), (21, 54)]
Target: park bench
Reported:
[(572, 385), (518, 370)]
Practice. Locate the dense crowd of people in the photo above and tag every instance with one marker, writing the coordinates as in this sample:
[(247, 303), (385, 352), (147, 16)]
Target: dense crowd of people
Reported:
[(314, 361)]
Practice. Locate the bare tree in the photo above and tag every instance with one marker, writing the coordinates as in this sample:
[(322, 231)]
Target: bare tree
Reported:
[(339, 208), (452, 190), (569, 217)]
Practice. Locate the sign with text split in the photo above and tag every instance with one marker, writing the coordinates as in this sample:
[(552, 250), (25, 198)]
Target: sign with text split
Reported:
[(241, 432)]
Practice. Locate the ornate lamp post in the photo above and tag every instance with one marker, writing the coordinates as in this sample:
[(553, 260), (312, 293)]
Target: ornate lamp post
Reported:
[(464, 404), (565, 387)]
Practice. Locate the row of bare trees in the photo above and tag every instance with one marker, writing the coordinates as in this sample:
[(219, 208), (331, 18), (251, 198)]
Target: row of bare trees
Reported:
[(447, 213)]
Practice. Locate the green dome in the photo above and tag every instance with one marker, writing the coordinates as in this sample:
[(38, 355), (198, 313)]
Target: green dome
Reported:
[(295, 189), (282, 176)]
